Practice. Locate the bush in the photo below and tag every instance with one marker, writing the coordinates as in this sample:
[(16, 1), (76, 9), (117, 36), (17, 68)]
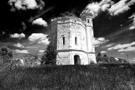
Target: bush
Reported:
[(31, 60)]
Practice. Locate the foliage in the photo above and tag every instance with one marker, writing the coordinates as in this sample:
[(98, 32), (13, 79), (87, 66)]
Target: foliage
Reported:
[(6, 55), (68, 14), (49, 56), (105, 58), (99, 57), (110, 60), (30, 60)]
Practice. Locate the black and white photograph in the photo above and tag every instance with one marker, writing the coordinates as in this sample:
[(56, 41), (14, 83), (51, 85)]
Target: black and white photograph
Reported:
[(67, 45)]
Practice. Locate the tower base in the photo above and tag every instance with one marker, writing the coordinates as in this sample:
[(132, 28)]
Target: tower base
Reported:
[(74, 58)]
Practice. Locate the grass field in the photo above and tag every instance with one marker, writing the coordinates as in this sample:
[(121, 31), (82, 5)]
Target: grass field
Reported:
[(91, 77)]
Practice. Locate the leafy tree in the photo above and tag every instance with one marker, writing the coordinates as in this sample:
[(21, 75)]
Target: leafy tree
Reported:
[(112, 60), (105, 58), (49, 56), (120, 60), (6, 55)]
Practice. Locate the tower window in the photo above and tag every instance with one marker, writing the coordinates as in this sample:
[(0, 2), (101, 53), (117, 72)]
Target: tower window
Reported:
[(63, 40), (75, 40), (88, 20)]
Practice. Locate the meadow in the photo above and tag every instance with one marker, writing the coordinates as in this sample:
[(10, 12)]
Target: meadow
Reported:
[(70, 77)]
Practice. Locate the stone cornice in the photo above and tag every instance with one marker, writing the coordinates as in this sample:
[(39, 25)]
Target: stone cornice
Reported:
[(69, 50)]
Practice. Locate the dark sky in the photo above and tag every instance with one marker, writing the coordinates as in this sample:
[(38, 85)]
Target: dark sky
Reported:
[(23, 24)]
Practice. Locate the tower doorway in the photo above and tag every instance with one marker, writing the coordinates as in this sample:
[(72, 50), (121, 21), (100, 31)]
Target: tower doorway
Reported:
[(77, 60)]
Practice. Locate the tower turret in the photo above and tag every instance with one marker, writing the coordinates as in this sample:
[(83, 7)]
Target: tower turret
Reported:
[(87, 17)]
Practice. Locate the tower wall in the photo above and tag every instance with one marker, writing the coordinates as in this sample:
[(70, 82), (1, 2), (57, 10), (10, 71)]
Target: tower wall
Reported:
[(67, 58), (90, 45), (87, 17), (71, 29), (71, 40)]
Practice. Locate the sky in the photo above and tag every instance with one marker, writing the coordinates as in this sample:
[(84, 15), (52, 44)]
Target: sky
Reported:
[(24, 24)]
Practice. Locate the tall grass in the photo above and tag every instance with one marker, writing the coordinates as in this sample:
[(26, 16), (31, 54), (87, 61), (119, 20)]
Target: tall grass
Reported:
[(91, 77)]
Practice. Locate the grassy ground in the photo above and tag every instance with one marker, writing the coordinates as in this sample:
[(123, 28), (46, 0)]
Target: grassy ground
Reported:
[(92, 77)]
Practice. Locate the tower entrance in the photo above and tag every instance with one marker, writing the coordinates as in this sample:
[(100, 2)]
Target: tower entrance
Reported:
[(77, 60)]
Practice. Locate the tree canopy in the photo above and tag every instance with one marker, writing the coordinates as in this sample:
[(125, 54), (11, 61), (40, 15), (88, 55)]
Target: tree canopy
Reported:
[(111, 60), (6, 55)]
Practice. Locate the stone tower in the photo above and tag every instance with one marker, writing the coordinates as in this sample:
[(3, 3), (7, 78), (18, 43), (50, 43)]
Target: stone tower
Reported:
[(72, 39)]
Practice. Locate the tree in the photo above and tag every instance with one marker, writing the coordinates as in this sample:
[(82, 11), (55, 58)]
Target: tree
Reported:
[(6, 55), (112, 60), (120, 60), (99, 57), (105, 58), (49, 56)]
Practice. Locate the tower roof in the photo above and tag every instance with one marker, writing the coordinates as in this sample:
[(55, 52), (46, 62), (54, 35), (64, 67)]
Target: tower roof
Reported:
[(66, 18), (87, 13)]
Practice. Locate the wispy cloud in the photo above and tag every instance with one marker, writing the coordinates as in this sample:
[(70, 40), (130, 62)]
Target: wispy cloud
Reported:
[(25, 4), (41, 51), (132, 27), (99, 41), (103, 52), (120, 7), (127, 49), (40, 21), (16, 35), (110, 6), (39, 38), (96, 7), (132, 17), (21, 51), (122, 47), (19, 45), (108, 45)]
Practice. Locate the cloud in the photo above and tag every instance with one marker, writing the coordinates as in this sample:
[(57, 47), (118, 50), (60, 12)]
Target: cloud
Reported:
[(132, 27), (16, 35), (41, 51), (39, 38), (120, 7), (40, 21), (19, 45), (103, 52), (97, 7), (25, 4), (21, 51), (105, 4), (121, 46), (108, 45), (115, 7), (110, 6), (132, 17), (127, 49), (98, 41)]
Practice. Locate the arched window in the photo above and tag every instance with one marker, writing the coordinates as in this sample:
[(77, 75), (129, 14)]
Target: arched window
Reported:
[(75, 40), (88, 21), (77, 60), (63, 40)]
